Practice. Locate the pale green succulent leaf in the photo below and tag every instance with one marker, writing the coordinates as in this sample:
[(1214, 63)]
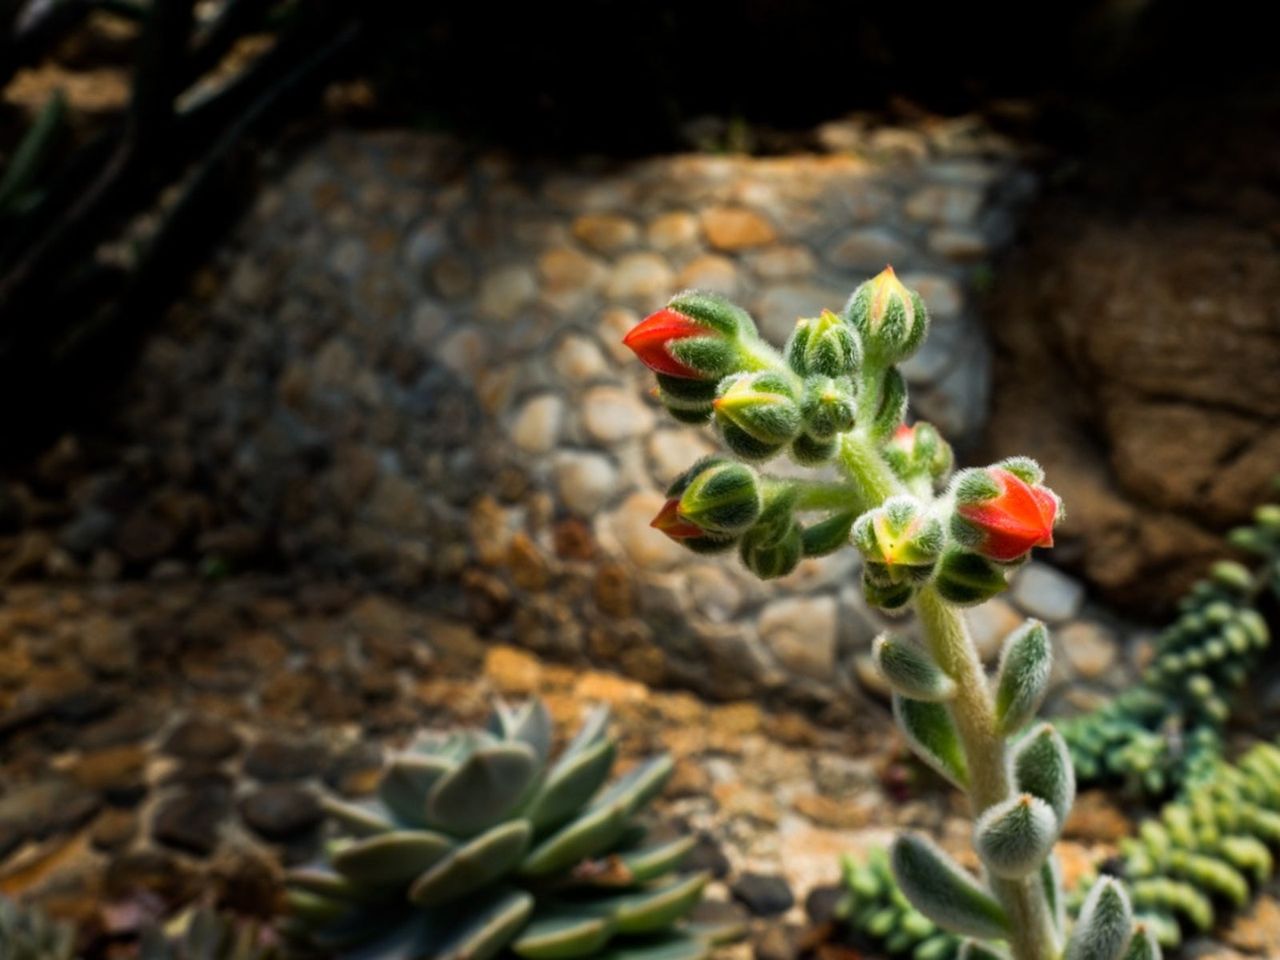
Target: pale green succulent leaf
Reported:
[(485, 928), (391, 859), (655, 908), (570, 785), (482, 861), (408, 782), (672, 947), (563, 934), (483, 789)]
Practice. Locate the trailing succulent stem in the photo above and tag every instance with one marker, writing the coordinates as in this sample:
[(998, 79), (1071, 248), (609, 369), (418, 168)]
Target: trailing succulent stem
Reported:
[(479, 843), (931, 543), (1157, 734)]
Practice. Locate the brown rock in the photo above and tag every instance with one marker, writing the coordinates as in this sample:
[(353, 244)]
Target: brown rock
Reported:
[(201, 739), (736, 228), (114, 771), (114, 829), (1146, 388), (513, 671), (529, 568), (614, 591), (605, 232)]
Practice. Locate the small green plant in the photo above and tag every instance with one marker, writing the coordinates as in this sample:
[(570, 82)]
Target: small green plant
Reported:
[(27, 933), (1208, 850), (476, 843), (1151, 736), (930, 543)]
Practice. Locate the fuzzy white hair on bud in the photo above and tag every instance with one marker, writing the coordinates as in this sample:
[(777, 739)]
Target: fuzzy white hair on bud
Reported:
[(1013, 838), (1105, 926), (1042, 766)]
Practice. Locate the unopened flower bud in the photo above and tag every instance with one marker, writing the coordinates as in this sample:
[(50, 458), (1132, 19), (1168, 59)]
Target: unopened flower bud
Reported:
[(901, 536), (918, 451), (890, 319), (757, 414), (828, 407), (824, 345), (810, 452), (695, 337), (721, 497), (1001, 512), (688, 535)]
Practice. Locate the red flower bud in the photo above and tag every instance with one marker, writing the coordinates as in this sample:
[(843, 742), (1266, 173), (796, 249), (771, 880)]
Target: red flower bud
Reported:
[(673, 525), (650, 338), (1018, 517)]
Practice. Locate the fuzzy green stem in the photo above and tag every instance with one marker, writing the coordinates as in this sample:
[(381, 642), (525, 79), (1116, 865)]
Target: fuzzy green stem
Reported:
[(826, 495), (1032, 934)]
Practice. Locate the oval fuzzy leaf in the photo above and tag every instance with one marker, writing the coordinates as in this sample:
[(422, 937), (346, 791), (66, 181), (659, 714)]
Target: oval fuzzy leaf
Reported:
[(910, 671), (391, 859), (653, 909), (932, 735), (563, 935), (572, 782), (483, 789), (940, 889), (1144, 944), (481, 931), (1105, 925), (1042, 767), (1022, 680), (1013, 838), (486, 858), (406, 784)]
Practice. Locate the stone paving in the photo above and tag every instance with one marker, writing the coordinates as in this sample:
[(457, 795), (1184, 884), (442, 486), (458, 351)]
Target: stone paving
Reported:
[(406, 367)]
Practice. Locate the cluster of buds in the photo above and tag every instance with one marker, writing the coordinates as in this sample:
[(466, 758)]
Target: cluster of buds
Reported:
[(900, 542), (718, 504)]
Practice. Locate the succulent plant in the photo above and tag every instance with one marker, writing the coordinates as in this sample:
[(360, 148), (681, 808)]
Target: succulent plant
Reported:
[(1152, 736), (477, 843), (27, 933)]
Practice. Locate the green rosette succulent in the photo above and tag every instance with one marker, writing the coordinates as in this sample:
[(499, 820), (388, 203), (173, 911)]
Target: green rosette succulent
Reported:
[(478, 844)]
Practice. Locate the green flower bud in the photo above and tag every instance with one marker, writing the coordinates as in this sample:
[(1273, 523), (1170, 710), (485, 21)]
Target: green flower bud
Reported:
[(884, 593), (918, 451), (757, 414), (900, 536), (769, 556), (828, 407), (722, 497), (890, 319), (824, 345), (1022, 680)]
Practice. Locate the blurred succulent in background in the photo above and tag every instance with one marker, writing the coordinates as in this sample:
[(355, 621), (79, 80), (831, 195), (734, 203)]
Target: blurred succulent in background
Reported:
[(1151, 736), (27, 933), (477, 843), (875, 909)]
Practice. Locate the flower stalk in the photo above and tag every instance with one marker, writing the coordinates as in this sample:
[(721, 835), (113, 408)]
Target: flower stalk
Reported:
[(931, 544)]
